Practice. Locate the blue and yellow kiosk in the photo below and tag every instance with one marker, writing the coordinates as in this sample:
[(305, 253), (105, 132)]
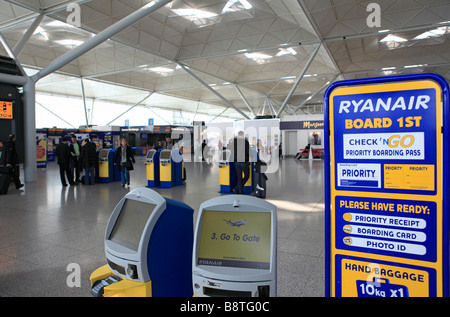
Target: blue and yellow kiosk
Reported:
[(148, 247), (227, 173), (171, 168), (106, 166), (152, 164)]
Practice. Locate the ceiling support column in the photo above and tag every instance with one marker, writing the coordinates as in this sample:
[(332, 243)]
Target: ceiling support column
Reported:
[(245, 100), (135, 105), (297, 82), (100, 38), (315, 94), (214, 91), (28, 34)]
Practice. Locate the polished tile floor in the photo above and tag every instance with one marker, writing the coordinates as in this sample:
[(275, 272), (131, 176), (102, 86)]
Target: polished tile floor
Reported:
[(46, 227)]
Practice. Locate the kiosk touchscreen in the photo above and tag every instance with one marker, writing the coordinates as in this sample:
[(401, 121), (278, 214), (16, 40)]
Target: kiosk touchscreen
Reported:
[(235, 248), (227, 173), (152, 162), (148, 247), (106, 166)]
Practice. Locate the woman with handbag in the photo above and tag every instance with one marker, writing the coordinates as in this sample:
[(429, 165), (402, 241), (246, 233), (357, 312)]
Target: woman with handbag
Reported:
[(124, 160)]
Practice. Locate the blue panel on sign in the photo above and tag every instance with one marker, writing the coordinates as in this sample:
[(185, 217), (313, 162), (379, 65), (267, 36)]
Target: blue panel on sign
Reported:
[(380, 288), (387, 226), (384, 128)]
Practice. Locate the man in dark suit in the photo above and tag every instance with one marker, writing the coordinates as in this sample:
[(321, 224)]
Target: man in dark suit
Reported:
[(64, 156), (10, 159)]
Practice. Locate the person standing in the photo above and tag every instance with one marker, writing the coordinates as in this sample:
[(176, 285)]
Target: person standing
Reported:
[(168, 143), (124, 160), (89, 160), (75, 166), (10, 158), (64, 156), (159, 145), (240, 154)]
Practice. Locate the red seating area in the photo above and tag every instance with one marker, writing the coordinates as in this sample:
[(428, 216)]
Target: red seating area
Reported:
[(316, 153)]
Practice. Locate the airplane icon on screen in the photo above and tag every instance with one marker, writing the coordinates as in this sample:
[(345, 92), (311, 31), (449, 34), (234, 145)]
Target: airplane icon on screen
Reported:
[(236, 223)]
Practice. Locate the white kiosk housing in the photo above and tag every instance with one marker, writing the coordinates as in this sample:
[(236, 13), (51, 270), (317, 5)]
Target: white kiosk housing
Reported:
[(235, 248)]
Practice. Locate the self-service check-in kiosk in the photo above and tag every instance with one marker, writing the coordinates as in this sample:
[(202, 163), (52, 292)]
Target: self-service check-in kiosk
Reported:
[(152, 163), (227, 173), (148, 247), (106, 166), (235, 248), (171, 168)]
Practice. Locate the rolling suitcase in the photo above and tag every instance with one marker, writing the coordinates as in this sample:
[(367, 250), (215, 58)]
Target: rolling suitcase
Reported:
[(261, 188), (5, 179), (260, 178)]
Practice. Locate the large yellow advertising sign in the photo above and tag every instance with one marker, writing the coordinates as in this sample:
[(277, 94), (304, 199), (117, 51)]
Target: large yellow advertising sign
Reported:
[(387, 217)]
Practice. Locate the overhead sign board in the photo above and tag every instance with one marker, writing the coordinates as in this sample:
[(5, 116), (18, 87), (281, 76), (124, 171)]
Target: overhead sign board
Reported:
[(386, 194)]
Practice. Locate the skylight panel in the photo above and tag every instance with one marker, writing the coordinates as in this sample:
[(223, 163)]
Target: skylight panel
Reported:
[(40, 31), (260, 58), (393, 38), (286, 51), (163, 71), (194, 14), (236, 5), (69, 42), (440, 31)]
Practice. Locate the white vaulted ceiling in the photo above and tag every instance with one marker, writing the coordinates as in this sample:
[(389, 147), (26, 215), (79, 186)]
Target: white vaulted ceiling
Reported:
[(247, 50)]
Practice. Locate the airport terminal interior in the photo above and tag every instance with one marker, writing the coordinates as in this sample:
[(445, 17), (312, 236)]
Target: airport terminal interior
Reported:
[(199, 72)]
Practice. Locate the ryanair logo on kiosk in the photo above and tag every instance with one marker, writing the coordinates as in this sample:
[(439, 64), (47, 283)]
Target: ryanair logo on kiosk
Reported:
[(236, 223)]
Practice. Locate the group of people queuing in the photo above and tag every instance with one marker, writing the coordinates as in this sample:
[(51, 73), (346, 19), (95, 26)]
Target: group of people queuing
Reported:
[(73, 157)]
